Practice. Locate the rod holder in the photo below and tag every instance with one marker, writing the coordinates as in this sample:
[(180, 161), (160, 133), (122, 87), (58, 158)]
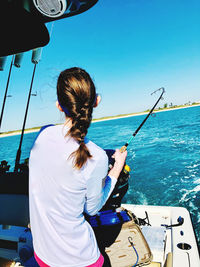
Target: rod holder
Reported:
[(18, 59), (36, 55), (2, 63)]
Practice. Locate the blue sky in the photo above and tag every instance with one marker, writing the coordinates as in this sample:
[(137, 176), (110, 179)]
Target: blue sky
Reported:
[(130, 48)]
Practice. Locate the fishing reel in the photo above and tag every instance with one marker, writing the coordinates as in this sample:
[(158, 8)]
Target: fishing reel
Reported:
[(121, 187), (4, 167), (23, 167)]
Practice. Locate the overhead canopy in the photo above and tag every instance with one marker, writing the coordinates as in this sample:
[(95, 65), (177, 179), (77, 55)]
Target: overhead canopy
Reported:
[(23, 22), (20, 30)]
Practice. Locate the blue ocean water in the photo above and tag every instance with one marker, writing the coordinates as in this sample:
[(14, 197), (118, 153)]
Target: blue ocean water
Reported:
[(164, 157)]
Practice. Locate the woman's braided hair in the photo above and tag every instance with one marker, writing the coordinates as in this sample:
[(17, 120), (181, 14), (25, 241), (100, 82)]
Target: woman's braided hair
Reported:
[(76, 92)]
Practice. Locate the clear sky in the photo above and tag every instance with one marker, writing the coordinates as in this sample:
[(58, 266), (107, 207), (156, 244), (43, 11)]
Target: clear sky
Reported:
[(130, 48)]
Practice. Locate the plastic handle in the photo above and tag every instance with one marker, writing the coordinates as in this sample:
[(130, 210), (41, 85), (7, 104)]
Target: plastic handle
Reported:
[(123, 149)]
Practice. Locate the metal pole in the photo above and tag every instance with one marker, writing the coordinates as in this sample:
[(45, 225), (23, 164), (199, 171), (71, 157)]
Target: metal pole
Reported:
[(17, 160), (5, 95)]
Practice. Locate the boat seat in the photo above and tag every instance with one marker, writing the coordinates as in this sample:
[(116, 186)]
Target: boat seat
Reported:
[(121, 252)]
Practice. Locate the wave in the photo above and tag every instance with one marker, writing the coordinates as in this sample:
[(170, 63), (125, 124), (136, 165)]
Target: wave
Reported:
[(190, 194)]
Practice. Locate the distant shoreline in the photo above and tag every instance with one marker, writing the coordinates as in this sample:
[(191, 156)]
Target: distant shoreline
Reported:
[(141, 113), (18, 132)]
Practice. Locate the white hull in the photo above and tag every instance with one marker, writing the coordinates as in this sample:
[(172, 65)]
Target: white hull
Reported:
[(173, 237)]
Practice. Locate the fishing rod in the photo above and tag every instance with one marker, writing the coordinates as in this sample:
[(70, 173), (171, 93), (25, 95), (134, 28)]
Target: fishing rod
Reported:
[(16, 61), (36, 54), (123, 148), (6, 91), (121, 187), (17, 160)]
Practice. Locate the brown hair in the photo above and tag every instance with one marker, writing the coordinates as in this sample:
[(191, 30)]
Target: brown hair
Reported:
[(76, 95)]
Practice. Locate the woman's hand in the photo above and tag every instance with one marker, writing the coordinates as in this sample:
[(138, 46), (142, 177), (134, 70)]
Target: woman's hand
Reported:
[(120, 159)]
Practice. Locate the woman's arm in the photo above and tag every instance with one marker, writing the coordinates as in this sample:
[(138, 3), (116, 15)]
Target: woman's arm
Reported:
[(100, 185), (120, 159)]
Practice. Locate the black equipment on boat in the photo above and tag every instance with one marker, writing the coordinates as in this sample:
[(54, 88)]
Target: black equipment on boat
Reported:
[(4, 167), (180, 222)]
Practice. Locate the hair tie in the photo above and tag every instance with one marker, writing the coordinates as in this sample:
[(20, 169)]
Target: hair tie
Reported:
[(81, 141), (86, 105), (95, 99)]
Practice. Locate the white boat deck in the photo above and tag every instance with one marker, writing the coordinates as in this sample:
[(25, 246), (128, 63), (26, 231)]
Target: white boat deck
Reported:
[(180, 240)]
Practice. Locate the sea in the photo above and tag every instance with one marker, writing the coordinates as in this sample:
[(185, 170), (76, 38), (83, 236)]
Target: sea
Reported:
[(164, 157)]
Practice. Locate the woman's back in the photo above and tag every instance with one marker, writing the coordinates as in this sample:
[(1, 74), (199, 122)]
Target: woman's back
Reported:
[(60, 194)]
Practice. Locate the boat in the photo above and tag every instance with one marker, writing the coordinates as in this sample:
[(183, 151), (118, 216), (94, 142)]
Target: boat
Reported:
[(170, 236), (168, 231)]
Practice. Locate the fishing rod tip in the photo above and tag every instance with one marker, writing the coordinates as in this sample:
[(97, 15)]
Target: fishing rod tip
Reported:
[(161, 88)]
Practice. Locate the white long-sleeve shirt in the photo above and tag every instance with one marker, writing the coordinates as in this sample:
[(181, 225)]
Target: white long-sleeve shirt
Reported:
[(58, 196)]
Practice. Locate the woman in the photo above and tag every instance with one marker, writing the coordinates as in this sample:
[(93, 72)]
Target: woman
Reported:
[(68, 177)]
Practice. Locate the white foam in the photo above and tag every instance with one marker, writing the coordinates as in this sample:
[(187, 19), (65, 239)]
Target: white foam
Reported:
[(143, 199), (186, 196), (197, 181)]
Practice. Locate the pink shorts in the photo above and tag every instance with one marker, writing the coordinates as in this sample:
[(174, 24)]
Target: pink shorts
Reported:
[(98, 263)]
